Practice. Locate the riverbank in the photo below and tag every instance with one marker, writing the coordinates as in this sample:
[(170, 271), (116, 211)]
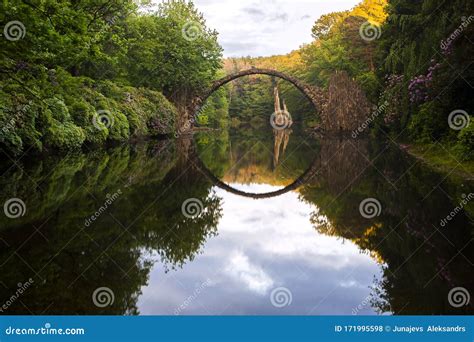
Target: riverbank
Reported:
[(59, 112), (441, 159)]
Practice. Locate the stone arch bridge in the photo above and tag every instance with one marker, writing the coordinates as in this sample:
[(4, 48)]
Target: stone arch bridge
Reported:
[(343, 107), (314, 94)]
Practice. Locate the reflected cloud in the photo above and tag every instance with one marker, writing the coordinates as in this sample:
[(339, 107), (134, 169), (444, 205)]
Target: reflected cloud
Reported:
[(257, 251), (252, 276)]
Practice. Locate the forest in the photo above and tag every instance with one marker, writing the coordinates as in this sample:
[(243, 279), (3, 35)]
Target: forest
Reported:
[(411, 59), (79, 74), (103, 146)]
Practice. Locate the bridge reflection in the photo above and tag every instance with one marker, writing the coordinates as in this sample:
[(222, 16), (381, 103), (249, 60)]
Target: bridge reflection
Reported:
[(280, 142)]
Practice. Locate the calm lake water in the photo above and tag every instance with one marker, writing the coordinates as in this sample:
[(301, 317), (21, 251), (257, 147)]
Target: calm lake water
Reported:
[(216, 224)]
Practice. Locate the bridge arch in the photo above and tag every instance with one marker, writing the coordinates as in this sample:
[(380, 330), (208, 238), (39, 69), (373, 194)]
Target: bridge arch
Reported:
[(313, 94)]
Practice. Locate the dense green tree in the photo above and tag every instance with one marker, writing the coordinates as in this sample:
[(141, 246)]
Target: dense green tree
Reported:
[(427, 45), (172, 50)]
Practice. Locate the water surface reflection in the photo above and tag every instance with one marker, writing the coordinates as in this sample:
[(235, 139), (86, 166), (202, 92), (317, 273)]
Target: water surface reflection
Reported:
[(312, 240), (263, 245)]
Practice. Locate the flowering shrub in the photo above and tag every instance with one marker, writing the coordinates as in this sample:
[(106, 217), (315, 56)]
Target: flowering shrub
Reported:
[(419, 85)]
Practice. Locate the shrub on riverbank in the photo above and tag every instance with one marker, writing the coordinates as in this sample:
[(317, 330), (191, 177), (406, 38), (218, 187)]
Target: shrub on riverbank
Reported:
[(56, 110)]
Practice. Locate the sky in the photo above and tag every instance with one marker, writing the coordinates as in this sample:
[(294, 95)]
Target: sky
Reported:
[(265, 27), (259, 251)]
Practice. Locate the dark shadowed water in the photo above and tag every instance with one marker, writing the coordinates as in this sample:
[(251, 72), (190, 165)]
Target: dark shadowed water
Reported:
[(172, 227)]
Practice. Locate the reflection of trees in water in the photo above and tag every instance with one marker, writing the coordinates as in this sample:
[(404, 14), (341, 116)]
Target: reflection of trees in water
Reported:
[(67, 260), (247, 156), (421, 261)]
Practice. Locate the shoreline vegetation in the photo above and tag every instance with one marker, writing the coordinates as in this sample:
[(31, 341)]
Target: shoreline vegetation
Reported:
[(440, 159), (84, 74)]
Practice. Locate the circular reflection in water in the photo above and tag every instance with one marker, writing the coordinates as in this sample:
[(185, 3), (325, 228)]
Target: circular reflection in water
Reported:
[(281, 139), (307, 175)]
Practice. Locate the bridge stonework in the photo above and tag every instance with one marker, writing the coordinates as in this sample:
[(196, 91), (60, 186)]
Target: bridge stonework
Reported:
[(332, 119), (314, 94)]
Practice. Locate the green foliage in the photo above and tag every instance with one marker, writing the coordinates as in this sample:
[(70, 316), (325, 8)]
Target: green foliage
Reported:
[(323, 27), (369, 82), (427, 38), (172, 50), (64, 136), (215, 111), (427, 123), (80, 59), (82, 114), (74, 188), (465, 143)]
